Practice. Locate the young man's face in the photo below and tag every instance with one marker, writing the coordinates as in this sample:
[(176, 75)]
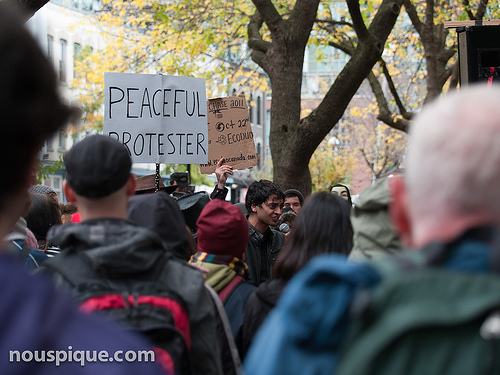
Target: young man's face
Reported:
[(293, 202), (269, 212)]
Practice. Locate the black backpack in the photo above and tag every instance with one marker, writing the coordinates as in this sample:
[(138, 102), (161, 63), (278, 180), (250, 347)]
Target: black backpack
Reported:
[(145, 305)]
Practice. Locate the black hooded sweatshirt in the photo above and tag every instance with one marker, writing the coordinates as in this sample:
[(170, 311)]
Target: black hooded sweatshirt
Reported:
[(259, 305)]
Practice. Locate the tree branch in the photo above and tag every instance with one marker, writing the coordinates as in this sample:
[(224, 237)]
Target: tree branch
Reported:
[(481, 9), (334, 23), (333, 105), (346, 46), (385, 115), (429, 14), (303, 16), (386, 159), (255, 40), (468, 9), (357, 20), (379, 94), (412, 13), (258, 45), (269, 14), (449, 53), (370, 164), (392, 88), (395, 122)]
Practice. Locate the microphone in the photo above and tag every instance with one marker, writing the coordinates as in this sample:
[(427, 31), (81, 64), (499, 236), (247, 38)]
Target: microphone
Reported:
[(284, 228)]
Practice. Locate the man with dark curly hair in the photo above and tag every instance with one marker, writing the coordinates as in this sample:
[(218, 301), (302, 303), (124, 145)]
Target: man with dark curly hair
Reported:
[(264, 202)]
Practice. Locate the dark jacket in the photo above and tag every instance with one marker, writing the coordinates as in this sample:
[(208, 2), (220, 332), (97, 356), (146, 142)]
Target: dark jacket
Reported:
[(117, 249), (35, 317), (261, 253), (161, 213), (220, 277), (235, 305), (259, 305)]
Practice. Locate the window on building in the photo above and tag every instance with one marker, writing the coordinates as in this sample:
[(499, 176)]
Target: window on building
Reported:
[(50, 47), (77, 53), (50, 144), (55, 182), (258, 156), (44, 152), (62, 60), (259, 104), (62, 139), (77, 50)]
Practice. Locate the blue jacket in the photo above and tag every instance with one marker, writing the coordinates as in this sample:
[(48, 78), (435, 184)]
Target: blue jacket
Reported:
[(31, 260), (38, 319), (303, 334)]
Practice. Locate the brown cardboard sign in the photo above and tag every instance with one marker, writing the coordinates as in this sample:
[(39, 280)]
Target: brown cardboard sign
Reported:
[(230, 134)]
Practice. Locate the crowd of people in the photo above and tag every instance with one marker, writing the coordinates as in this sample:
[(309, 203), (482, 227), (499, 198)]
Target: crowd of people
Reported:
[(286, 284)]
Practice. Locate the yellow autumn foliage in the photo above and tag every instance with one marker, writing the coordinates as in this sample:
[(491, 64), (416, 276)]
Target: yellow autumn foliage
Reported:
[(330, 165)]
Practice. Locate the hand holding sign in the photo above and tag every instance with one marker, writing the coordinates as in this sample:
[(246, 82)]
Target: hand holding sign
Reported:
[(221, 173)]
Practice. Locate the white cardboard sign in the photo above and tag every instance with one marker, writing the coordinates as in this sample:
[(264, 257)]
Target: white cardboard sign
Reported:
[(160, 119)]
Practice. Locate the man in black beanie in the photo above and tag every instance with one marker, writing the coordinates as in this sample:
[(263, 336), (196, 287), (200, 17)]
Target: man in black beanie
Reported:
[(293, 199), (106, 249)]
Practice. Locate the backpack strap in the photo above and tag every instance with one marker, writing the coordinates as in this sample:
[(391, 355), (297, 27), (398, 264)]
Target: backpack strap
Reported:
[(25, 252), (227, 330), (229, 288)]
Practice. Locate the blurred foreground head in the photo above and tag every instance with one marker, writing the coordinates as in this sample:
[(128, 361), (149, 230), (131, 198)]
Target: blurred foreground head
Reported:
[(452, 174), (29, 102)]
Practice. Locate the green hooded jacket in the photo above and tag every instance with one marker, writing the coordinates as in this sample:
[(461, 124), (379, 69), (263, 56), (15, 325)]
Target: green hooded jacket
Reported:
[(374, 233)]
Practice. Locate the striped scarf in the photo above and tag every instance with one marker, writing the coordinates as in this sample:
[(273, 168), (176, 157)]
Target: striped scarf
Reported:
[(235, 264)]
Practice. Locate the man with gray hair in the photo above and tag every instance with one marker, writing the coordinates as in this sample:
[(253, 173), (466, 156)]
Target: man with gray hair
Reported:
[(452, 171), (448, 207)]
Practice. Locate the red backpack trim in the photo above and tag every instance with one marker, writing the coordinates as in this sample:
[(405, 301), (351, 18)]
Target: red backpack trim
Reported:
[(165, 360), (114, 301)]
